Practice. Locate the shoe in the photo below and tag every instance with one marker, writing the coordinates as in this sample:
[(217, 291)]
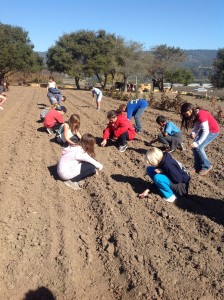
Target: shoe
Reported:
[(1, 108), (181, 147), (172, 150), (170, 199), (123, 148), (50, 131), (191, 171), (205, 171), (73, 184), (138, 131)]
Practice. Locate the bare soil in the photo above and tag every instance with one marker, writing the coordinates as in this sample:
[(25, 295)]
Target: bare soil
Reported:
[(102, 242)]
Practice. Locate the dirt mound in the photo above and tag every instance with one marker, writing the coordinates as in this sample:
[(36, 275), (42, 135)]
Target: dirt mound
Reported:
[(102, 242)]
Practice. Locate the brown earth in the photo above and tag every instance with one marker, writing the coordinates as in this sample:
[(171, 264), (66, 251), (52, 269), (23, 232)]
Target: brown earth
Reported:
[(102, 242)]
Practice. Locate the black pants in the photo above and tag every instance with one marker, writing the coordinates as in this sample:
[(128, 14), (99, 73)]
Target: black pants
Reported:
[(87, 169), (56, 126), (123, 138)]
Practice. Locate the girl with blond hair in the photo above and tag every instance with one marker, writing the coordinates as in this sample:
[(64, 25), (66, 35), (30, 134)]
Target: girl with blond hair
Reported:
[(168, 175)]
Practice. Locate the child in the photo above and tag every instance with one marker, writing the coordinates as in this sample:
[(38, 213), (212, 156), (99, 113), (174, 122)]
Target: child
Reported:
[(51, 83), (99, 95), (171, 136), (68, 133), (167, 174), (46, 110), (55, 96), (120, 129), (135, 108), (205, 130), (76, 163), (54, 119)]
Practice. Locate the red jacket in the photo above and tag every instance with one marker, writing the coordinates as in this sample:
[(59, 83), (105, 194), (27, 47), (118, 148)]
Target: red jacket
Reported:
[(52, 117), (119, 127)]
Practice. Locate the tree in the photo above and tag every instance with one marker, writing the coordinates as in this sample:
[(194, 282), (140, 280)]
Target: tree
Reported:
[(16, 51), (179, 76), (130, 61), (85, 53), (165, 58), (217, 78)]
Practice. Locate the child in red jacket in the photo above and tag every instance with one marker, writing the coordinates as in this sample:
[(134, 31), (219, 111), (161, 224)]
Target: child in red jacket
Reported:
[(120, 129), (54, 119)]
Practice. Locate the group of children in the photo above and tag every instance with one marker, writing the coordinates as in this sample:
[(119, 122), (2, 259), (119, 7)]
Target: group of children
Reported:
[(169, 176)]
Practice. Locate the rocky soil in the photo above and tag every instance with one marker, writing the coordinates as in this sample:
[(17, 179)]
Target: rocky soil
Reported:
[(102, 242)]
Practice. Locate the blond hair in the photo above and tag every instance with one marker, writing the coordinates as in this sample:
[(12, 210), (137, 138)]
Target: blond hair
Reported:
[(154, 156)]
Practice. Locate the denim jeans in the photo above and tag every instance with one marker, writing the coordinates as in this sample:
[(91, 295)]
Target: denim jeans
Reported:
[(201, 161), (137, 116), (161, 181)]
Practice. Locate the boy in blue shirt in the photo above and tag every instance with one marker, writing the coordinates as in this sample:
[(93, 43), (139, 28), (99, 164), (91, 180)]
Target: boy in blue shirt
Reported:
[(171, 136)]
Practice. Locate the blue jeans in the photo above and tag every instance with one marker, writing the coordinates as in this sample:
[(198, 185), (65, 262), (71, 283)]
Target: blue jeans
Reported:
[(137, 116), (161, 181), (201, 161)]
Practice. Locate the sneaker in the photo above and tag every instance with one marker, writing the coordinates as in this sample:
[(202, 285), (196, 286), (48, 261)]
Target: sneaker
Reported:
[(181, 147), (138, 131), (205, 171), (191, 171), (1, 108), (172, 150), (123, 148), (73, 184), (170, 199), (50, 131)]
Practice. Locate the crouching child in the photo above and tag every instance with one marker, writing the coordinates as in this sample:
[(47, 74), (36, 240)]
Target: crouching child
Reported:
[(168, 175)]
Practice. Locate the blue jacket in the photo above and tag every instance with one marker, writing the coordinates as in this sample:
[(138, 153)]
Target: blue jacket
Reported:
[(171, 128), (172, 169), (134, 105)]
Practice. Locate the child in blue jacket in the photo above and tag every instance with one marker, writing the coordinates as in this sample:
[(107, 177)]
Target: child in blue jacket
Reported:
[(167, 174), (135, 108), (171, 136)]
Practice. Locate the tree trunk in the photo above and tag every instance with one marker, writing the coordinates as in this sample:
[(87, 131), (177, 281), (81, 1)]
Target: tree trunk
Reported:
[(105, 81), (125, 83), (77, 82)]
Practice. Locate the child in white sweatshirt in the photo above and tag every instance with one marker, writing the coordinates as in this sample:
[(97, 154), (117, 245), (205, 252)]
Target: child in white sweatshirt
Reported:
[(77, 162)]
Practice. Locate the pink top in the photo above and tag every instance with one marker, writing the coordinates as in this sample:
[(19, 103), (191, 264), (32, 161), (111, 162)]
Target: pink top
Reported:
[(69, 164)]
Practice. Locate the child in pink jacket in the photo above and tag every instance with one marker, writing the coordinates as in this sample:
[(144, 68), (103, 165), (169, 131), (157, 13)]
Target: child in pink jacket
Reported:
[(77, 162)]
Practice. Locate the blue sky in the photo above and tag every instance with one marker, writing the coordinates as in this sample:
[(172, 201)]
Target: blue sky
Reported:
[(188, 24)]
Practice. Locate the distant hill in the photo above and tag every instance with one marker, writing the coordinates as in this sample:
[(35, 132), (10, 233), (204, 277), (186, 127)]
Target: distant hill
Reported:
[(198, 61), (202, 58)]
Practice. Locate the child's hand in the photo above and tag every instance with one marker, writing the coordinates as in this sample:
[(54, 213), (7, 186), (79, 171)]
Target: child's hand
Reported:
[(144, 194), (158, 171), (104, 142)]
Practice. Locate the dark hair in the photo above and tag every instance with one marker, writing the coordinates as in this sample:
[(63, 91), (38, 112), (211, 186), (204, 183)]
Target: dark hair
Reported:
[(161, 119), (121, 109), (111, 114), (61, 108), (188, 122), (64, 97), (87, 142)]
